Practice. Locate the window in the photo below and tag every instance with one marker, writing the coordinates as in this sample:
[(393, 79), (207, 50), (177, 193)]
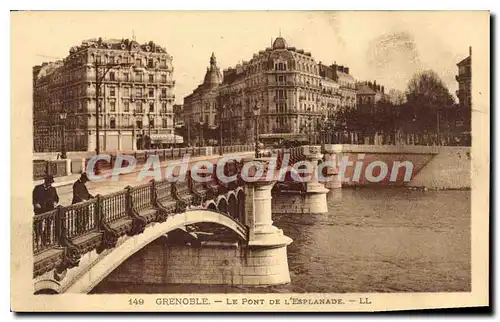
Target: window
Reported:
[(138, 107), (138, 92), (163, 63), (164, 107), (150, 63), (163, 78), (138, 77), (138, 62), (138, 124), (112, 92), (126, 91), (151, 122), (151, 107), (151, 78), (126, 77), (112, 123), (98, 59), (164, 123), (151, 92), (126, 106), (112, 106), (163, 93), (111, 76)]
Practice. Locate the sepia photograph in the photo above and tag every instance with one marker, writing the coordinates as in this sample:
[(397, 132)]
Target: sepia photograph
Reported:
[(249, 160)]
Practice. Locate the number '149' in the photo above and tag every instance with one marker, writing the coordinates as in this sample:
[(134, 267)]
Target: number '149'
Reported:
[(136, 301)]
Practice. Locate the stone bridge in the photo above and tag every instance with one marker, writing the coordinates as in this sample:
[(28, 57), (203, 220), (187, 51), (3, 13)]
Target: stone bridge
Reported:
[(78, 246)]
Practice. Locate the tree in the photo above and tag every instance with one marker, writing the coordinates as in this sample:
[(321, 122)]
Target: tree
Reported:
[(396, 97), (427, 88), (426, 98)]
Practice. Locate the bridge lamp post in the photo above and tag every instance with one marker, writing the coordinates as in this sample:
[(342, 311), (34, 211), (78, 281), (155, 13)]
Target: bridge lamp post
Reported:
[(256, 113), (322, 132), (221, 111), (62, 116), (98, 82), (150, 125), (230, 128), (201, 132)]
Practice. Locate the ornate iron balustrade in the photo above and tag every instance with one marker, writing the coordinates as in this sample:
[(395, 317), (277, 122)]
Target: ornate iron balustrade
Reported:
[(63, 235)]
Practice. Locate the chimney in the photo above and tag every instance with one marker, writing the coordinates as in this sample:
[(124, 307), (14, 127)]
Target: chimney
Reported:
[(370, 85), (470, 50), (346, 70), (382, 89)]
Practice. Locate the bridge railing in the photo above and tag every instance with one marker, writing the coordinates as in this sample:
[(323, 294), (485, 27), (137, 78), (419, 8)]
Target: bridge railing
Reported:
[(53, 229), (142, 196), (142, 156), (45, 232), (114, 206), (79, 219)]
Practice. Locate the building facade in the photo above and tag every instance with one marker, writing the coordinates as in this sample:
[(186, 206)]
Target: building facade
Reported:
[(200, 107), (136, 97), (464, 79), (368, 95), (286, 86), (462, 115)]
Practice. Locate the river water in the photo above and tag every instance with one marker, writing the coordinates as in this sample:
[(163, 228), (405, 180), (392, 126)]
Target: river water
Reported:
[(371, 240)]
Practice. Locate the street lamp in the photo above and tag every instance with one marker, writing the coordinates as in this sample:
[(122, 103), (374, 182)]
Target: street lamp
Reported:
[(62, 116), (150, 125), (322, 132), (256, 113), (221, 110), (98, 81), (175, 126), (201, 132), (189, 130), (230, 127)]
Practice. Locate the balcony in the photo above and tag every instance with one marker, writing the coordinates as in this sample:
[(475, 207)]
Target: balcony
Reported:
[(280, 99)]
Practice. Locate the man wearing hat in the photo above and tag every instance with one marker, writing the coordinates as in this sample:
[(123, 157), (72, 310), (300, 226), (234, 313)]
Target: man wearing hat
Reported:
[(80, 191), (45, 196)]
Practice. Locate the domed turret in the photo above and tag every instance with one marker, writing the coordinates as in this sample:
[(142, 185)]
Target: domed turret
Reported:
[(279, 43), (213, 77)]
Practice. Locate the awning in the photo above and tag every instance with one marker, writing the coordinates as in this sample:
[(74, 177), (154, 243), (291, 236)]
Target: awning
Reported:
[(166, 139), (283, 136)]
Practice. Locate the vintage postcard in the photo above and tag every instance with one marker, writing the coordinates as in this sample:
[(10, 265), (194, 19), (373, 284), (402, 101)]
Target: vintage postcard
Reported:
[(250, 161)]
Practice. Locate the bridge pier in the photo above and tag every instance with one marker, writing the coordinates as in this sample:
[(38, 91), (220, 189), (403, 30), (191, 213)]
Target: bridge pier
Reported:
[(311, 198), (333, 154), (266, 243), (315, 197)]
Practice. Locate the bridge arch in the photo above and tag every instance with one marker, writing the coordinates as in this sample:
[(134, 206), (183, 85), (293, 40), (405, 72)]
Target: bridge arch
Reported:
[(211, 205), (222, 205), (241, 205), (47, 287), (93, 275), (233, 207)]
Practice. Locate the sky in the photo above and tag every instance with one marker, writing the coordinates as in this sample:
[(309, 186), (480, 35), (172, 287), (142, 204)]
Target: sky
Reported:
[(389, 47)]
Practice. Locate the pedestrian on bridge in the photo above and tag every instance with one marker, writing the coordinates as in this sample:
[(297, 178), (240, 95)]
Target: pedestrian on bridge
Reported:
[(45, 199), (80, 191), (45, 196)]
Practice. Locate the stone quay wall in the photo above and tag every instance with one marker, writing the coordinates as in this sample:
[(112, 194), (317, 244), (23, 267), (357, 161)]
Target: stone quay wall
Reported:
[(433, 167)]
